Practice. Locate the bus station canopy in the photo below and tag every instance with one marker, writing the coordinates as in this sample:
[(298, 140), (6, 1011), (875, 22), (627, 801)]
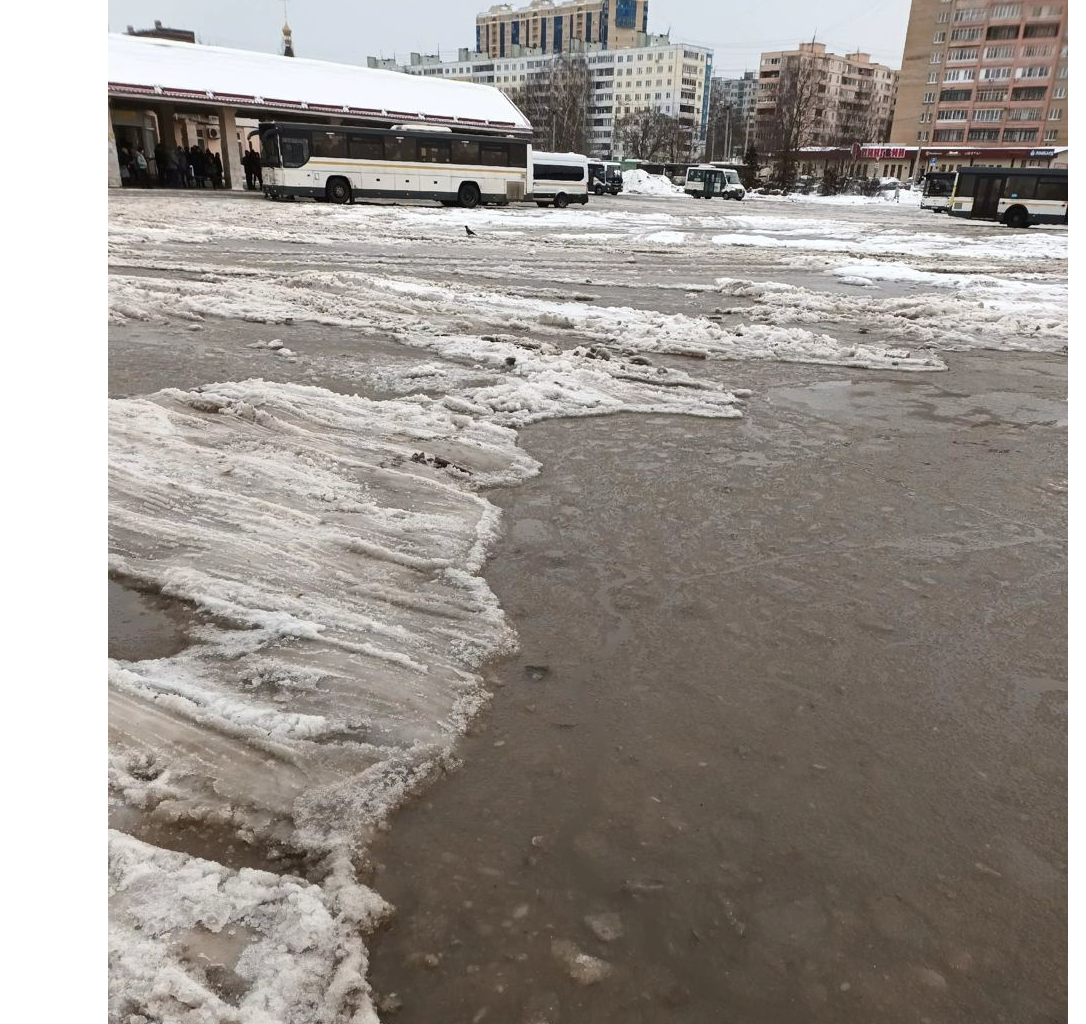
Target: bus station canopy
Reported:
[(264, 84)]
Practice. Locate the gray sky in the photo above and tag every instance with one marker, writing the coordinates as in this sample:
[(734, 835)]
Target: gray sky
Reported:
[(351, 30)]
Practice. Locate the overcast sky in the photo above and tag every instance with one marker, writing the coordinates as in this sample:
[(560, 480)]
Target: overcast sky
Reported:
[(351, 30)]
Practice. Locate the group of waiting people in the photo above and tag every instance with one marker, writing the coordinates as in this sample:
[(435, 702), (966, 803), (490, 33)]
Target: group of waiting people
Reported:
[(184, 168)]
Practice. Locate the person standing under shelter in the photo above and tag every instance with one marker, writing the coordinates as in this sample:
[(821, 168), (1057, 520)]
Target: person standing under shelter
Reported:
[(257, 165), (215, 167), (247, 163)]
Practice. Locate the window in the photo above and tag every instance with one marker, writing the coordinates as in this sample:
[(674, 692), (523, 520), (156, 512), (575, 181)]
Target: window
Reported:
[(493, 154), (947, 135), (329, 144), (1006, 11), (960, 75), (1020, 186), (1034, 71), (1059, 93), (400, 148), (956, 114), (1037, 51), (1019, 134), (366, 147), (437, 151), (998, 52), (951, 96), (1056, 114), (929, 97), (558, 172), (995, 74), (970, 14), (1002, 32), (983, 134), (940, 37), (295, 148), (933, 77), (1050, 134), (995, 114), (963, 35), (944, 17), (958, 56), (1041, 32), (1028, 92), (936, 58), (1025, 114), (991, 95), (1052, 189)]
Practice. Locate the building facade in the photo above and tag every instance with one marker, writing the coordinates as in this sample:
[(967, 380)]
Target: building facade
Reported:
[(984, 73), (672, 78), (554, 27), (849, 97)]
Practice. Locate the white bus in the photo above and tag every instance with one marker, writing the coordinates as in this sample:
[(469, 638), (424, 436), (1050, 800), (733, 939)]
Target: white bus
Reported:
[(340, 164), (705, 181), (937, 189), (558, 178), (1015, 196), (605, 176)]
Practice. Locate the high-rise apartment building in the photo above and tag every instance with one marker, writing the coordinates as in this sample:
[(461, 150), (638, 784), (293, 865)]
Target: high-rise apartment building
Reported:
[(554, 27), (846, 98), (984, 73), (672, 78)]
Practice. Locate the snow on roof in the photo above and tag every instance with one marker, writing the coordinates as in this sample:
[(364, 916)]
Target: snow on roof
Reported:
[(215, 75)]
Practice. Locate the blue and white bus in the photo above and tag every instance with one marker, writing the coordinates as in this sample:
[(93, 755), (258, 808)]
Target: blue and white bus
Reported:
[(1015, 196)]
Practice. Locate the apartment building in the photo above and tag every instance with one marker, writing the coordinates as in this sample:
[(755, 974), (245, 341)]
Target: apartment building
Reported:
[(984, 74), (555, 27), (739, 93), (852, 97), (672, 78)]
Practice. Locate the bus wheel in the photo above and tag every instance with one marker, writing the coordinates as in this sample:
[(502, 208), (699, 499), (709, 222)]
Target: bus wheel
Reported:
[(599, 190), (1016, 217), (561, 200), (468, 196), (338, 190)]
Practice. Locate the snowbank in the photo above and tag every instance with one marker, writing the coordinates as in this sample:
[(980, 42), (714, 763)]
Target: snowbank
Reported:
[(641, 183)]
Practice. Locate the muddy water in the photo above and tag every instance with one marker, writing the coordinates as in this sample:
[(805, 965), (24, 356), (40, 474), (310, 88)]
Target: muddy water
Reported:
[(789, 716)]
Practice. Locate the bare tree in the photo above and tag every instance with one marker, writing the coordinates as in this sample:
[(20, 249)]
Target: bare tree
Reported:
[(555, 100), (726, 131), (654, 135)]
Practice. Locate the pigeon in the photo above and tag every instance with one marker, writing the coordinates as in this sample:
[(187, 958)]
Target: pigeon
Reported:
[(471, 234)]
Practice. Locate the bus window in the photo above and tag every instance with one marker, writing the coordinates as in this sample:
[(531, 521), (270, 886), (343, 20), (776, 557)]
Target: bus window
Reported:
[(295, 149), (464, 151), (1019, 187), (269, 149), (494, 154), (967, 185), (1052, 189), (330, 144), (558, 172), (435, 152), (695, 174), (400, 148), (366, 147), (518, 154)]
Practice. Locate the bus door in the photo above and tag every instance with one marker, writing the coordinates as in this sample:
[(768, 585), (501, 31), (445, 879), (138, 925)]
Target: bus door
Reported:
[(986, 200), (707, 185)]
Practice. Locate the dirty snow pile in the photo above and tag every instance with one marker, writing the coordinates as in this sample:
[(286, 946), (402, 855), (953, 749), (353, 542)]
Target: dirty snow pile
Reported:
[(641, 183)]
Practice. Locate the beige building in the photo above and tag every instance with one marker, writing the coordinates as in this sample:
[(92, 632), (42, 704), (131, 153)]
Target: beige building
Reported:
[(852, 97), (984, 74), (553, 27)]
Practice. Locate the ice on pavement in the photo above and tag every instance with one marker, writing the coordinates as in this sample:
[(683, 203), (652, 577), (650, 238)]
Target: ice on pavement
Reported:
[(331, 546)]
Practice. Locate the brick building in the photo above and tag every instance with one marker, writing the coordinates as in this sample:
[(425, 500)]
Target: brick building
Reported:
[(555, 27)]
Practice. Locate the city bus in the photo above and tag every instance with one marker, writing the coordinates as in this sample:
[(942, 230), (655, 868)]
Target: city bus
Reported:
[(937, 189), (558, 179), (606, 176), (339, 164), (705, 181), (1015, 196)]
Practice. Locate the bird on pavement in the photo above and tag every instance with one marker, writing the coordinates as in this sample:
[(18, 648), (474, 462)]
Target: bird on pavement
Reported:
[(471, 234)]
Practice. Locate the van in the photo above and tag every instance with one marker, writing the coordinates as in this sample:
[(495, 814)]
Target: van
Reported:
[(706, 181), (605, 176), (558, 179)]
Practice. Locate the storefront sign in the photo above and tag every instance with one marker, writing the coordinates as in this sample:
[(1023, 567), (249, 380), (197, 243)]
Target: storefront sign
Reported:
[(1042, 152), (879, 152)]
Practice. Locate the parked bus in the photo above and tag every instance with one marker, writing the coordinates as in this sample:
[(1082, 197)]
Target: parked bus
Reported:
[(605, 176), (1015, 196), (558, 179), (706, 181), (340, 164), (937, 190)]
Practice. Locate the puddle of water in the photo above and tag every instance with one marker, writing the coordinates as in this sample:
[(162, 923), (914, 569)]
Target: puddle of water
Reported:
[(746, 732), (144, 626)]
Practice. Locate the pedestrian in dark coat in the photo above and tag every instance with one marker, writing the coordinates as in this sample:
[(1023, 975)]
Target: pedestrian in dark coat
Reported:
[(181, 158), (247, 163), (215, 168)]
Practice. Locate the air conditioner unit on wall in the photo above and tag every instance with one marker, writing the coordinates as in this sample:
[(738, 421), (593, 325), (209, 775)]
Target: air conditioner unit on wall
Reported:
[(213, 133)]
